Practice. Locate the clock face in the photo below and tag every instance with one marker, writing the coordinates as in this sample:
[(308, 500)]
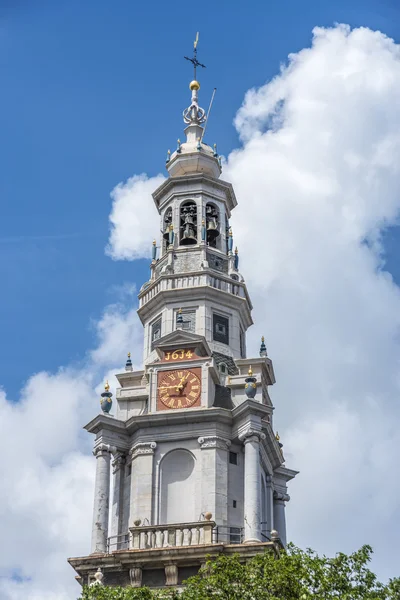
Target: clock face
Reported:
[(179, 389)]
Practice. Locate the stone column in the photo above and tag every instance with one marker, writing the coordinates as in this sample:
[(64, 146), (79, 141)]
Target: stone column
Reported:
[(279, 515), (252, 484), (118, 465), (270, 505), (141, 483), (102, 453), (214, 477)]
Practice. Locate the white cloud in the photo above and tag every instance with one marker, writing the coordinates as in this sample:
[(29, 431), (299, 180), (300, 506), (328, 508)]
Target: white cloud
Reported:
[(134, 220), (317, 179)]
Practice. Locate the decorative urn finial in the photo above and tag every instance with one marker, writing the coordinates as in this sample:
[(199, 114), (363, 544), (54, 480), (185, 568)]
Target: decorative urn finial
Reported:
[(106, 402), (236, 261), (179, 319), (98, 578), (128, 365), (154, 250), (250, 386), (263, 347)]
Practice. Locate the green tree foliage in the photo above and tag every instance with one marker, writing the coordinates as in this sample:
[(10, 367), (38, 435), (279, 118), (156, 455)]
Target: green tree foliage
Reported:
[(296, 575)]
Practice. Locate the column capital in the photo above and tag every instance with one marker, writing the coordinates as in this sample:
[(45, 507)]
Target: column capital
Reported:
[(142, 448), (101, 449), (280, 497), (119, 460), (251, 435), (214, 441)]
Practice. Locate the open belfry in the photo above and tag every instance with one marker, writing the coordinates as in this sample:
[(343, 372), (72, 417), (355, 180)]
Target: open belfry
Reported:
[(197, 469)]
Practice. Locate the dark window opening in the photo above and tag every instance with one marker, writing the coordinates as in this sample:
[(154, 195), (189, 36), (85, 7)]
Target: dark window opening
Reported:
[(220, 329), (155, 332), (233, 458), (234, 504)]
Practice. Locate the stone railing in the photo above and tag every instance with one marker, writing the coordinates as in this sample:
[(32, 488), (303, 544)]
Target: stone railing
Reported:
[(173, 282), (167, 536)]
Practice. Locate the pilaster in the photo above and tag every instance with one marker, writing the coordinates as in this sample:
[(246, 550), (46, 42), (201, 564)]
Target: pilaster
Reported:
[(279, 514), (118, 470), (214, 473), (102, 452), (252, 484), (141, 482)]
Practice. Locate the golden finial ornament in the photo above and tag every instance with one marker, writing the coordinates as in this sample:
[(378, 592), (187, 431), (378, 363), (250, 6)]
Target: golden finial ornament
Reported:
[(230, 232), (236, 250), (194, 85), (154, 242), (278, 439), (250, 371), (107, 386), (129, 354)]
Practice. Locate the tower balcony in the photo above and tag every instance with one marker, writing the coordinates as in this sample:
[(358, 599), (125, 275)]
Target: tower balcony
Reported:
[(192, 285), (165, 555)]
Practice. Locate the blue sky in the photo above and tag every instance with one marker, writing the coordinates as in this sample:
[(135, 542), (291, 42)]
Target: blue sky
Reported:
[(91, 93)]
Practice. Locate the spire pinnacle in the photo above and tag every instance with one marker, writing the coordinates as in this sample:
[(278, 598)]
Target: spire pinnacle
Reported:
[(194, 115)]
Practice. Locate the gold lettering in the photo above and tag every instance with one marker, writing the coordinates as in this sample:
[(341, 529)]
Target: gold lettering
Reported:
[(179, 405), (167, 356), (195, 387), (172, 377), (180, 374), (194, 380), (193, 394)]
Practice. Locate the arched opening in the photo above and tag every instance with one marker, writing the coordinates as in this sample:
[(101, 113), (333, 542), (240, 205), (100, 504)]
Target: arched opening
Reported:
[(188, 224), (167, 228), (212, 224), (177, 488)]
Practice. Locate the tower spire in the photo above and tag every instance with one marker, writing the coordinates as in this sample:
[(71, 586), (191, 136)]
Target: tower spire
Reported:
[(194, 115)]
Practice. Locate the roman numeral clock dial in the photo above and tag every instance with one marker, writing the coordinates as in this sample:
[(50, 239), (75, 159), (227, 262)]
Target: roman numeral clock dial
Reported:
[(179, 389)]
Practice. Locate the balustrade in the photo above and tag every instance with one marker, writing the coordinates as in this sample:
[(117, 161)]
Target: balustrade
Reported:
[(170, 282), (166, 536)]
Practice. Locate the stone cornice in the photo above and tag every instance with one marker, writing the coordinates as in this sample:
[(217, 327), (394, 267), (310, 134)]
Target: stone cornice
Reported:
[(214, 441), (285, 473), (189, 416), (250, 407), (102, 422), (142, 448)]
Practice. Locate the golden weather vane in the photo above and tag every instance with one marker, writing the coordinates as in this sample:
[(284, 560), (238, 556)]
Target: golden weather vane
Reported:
[(194, 60)]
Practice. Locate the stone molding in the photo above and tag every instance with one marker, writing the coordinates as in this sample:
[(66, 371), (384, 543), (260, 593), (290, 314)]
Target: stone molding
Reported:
[(118, 462), (251, 435), (213, 441), (102, 449), (135, 575), (171, 574), (142, 448), (279, 497)]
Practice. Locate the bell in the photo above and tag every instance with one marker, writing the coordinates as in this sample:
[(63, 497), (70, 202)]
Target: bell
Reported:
[(212, 231), (188, 239), (166, 232)]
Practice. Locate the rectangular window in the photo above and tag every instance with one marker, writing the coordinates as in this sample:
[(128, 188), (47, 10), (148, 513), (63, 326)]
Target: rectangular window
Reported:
[(234, 504), (129, 471), (235, 535), (155, 332), (189, 320), (220, 329), (242, 344), (233, 458)]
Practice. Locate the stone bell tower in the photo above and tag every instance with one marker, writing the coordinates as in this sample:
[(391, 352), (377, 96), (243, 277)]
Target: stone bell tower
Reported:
[(196, 467)]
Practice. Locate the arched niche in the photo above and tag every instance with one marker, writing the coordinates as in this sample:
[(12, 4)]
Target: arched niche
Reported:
[(166, 228), (177, 487), (212, 225), (188, 223)]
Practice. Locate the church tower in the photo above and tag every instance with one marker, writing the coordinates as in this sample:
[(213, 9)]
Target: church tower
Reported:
[(189, 464)]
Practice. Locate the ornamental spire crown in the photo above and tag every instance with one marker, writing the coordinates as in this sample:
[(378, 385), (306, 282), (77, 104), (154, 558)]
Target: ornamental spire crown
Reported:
[(194, 155)]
